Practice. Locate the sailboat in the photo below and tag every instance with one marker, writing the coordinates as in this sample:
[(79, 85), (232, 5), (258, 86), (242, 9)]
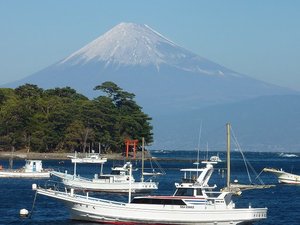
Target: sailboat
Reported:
[(235, 187)]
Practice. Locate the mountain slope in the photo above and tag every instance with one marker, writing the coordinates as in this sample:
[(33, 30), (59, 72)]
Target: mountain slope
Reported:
[(163, 75), (167, 79)]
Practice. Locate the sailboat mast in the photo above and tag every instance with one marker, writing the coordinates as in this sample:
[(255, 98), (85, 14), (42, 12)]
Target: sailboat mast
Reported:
[(143, 155), (228, 155), (130, 176)]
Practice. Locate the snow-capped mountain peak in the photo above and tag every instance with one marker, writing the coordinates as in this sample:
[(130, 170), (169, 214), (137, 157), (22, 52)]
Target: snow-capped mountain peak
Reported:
[(130, 44), (126, 43)]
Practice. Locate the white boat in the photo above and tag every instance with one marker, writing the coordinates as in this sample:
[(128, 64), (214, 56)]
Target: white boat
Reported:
[(116, 181), (32, 169), (284, 177), (89, 158), (194, 202), (215, 158)]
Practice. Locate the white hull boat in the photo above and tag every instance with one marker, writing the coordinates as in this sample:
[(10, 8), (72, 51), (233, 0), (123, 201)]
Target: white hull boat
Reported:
[(106, 183), (22, 174), (117, 181), (193, 203), (97, 210), (284, 177), (32, 169), (215, 158), (90, 158)]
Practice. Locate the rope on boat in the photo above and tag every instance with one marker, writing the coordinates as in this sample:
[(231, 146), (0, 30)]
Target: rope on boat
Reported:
[(246, 162), (259, 173), (33, 205)]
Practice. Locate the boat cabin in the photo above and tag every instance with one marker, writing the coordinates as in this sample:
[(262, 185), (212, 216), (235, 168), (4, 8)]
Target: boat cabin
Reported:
[(33, 166), (118, 174), (193, 190), (121, 171), (188, 192)]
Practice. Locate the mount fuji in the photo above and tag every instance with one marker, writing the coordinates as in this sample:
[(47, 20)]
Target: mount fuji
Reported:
[(165, 77)]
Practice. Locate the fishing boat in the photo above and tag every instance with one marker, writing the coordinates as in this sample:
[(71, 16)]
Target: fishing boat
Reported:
[(194, 202), (117, 181), (89, 158), (32, 169), (284, 177)]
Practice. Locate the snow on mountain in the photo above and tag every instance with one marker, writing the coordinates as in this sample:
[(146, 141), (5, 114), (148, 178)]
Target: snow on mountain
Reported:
[(162, 74), (129, 44)]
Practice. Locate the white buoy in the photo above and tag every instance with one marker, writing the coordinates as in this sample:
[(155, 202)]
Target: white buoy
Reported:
[(34, 187), (24, 212)]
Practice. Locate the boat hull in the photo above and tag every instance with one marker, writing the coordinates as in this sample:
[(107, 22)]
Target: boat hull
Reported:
[(136, 187), (104, 185), (284, 177), (103, 211), (16, 174), (287, 180)]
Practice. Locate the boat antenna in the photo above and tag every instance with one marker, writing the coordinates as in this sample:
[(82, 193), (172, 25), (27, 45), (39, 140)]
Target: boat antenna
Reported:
[(207, 151), (75, 167), (198, 147), (130, 176)]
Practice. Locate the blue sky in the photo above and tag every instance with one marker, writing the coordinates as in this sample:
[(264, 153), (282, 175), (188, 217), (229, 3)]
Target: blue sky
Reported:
[(257, 38)]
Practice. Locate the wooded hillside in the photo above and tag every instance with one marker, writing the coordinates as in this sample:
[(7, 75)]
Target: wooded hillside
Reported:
[(61, 119)]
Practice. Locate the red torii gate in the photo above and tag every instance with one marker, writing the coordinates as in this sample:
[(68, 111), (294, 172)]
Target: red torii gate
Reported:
[(133, 143)]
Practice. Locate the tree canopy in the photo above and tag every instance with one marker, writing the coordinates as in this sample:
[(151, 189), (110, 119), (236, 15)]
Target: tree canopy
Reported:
[(61, 119)]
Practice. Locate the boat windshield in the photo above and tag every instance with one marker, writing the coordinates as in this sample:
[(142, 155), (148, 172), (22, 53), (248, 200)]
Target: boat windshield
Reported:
[(158, 201), (116, 172), (184, 192)]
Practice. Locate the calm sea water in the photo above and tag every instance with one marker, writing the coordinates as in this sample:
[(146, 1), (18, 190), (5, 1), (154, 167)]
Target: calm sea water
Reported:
[(283, 201)]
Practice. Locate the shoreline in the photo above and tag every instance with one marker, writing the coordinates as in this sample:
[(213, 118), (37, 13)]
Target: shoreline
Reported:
[(64, 156), (55, 155)]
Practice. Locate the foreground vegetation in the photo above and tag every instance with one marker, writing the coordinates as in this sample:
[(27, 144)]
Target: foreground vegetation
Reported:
[(61, 119)]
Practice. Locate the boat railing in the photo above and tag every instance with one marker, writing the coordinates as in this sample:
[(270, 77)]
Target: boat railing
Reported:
[(54, 185), (83, 178), (59, 189), (86, 197)]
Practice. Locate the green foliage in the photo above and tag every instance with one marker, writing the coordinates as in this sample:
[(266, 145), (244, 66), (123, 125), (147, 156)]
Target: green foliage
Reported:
[(61, 119)]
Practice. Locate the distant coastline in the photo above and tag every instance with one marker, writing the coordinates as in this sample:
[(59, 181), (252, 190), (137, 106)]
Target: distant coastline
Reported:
[(54, 155), (64, 156)]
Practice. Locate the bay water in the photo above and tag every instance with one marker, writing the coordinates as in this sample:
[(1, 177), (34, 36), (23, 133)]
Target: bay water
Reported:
[(282, 201)]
